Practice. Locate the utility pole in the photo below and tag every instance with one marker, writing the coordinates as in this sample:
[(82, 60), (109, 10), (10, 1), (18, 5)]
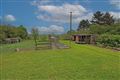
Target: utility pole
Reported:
[(70, 27)]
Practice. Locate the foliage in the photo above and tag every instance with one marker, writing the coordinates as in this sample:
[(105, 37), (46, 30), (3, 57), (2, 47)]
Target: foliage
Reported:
[(97, 17), (108, 35), (103, 23), (109, 40), (83, 24), (108, 19), (115, 29), (22, 31), (103, 29), (9, 31), (99, 29), (35, 34), (102, 18)]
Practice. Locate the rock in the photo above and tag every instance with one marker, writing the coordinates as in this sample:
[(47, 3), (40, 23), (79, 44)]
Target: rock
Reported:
[(17, 49)]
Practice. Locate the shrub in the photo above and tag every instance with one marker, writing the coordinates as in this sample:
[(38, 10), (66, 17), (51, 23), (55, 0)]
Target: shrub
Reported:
[(109, 40)]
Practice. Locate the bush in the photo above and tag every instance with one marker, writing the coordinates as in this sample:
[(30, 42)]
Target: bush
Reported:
[(109, 40), (103, 29)]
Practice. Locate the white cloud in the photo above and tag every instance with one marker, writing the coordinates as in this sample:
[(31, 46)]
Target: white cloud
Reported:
[(62, 13), (40, 2), (116, 3), (47, 11), (54, 18), (85, 16), (64, 9), (9, 18), (65, 19), (51, 29), (115, 14)]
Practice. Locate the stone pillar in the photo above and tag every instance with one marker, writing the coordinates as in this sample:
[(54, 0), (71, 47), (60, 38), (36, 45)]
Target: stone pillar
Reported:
[(92, 39), (77, 39), (73, 38)]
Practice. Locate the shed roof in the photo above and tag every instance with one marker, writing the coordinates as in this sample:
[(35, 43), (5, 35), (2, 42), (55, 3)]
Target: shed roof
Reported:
[(82, 35)]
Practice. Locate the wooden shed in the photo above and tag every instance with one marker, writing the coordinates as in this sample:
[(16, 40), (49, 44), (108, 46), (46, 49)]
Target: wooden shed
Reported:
[(84, 38)]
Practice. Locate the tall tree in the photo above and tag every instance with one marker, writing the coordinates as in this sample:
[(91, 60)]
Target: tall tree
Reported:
[(97, 18), (108, 19), (102, 18), (35, 34), (83, 24)]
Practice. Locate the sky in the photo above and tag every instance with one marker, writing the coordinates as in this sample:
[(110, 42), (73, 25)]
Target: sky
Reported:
[(52, 16)]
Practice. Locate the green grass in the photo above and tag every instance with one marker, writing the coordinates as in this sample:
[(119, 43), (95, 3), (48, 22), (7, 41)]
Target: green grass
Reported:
[(10, 48), (81, 62)]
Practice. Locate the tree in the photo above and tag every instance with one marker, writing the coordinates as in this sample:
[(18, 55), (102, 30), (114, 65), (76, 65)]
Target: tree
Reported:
[(10, 31), (102, 19), (108, 19), (83, 24), (2, 34), (35, 34), (97, 18), (22, 32)]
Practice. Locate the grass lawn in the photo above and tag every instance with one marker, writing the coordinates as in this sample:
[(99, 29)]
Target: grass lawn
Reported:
[(81, 62)]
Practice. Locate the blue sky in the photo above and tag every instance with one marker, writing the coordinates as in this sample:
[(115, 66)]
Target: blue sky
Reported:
[(53, 15)]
